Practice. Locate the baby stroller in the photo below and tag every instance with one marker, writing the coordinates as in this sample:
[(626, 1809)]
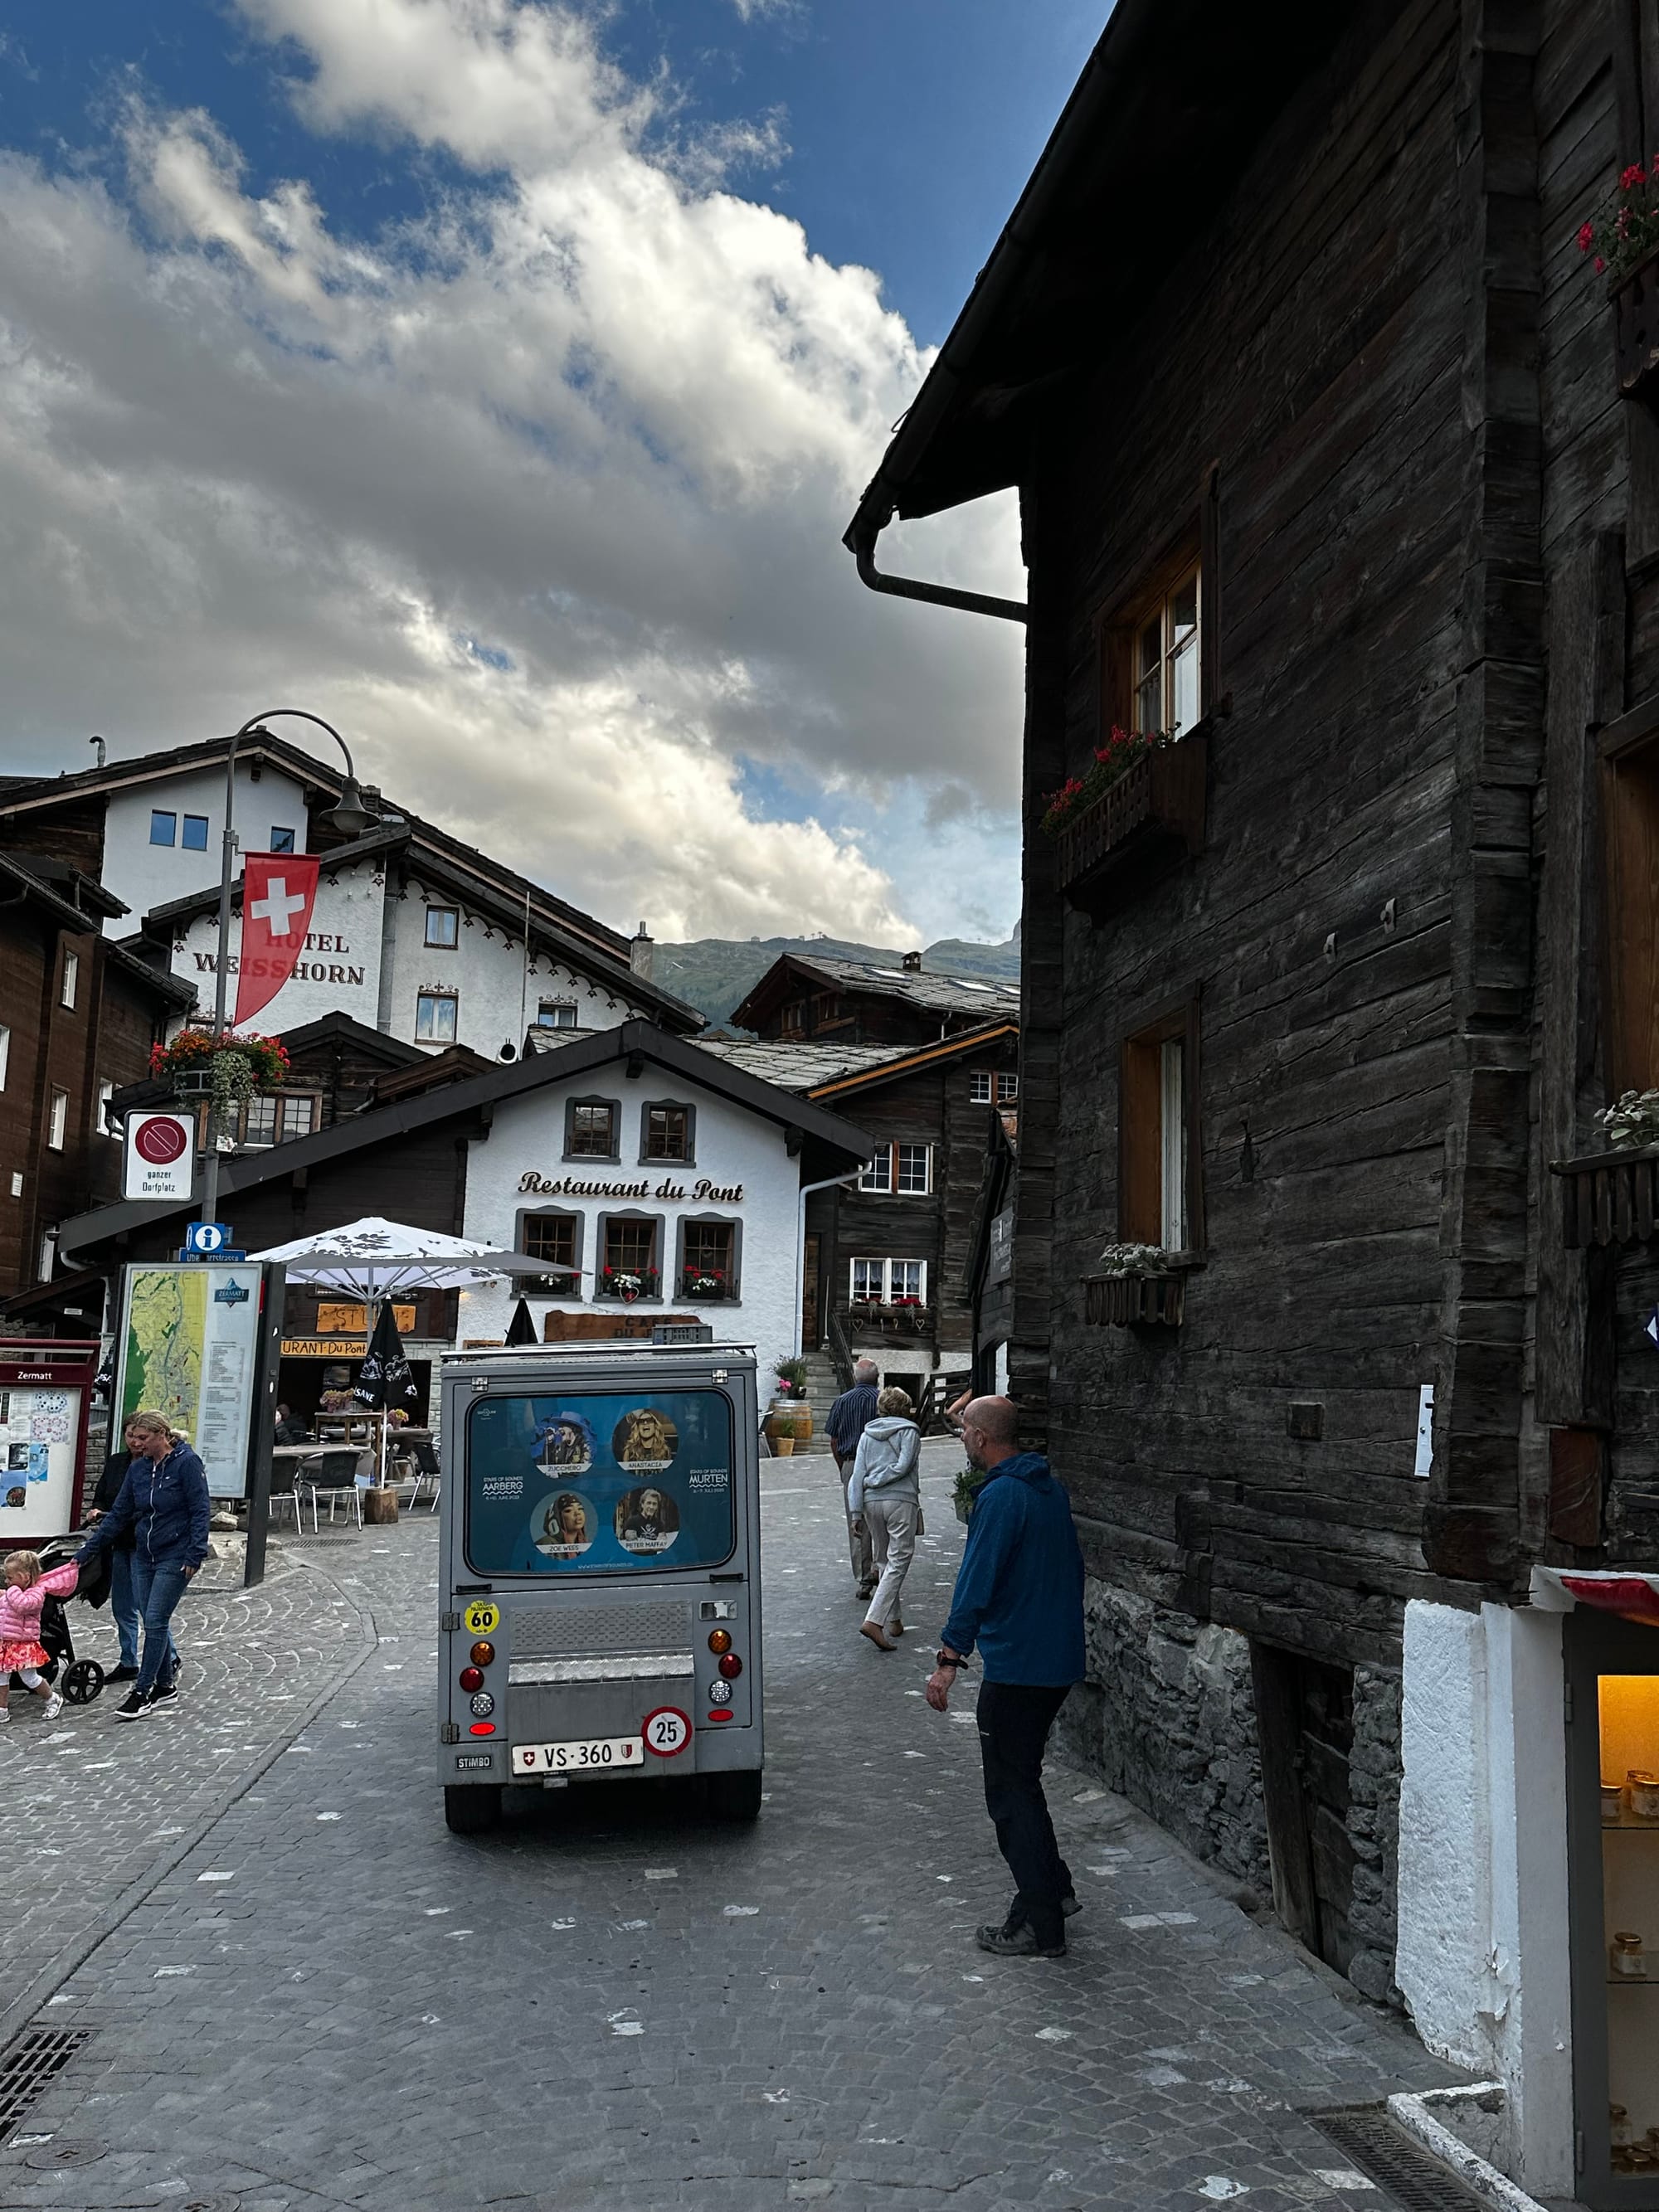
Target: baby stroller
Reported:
[(79, 1680)]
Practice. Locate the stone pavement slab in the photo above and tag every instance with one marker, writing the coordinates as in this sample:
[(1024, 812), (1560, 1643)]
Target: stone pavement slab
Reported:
[(93, 1804), (332, 2001)]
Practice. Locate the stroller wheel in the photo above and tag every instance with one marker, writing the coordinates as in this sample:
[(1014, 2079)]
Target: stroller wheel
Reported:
[(82, 1681)]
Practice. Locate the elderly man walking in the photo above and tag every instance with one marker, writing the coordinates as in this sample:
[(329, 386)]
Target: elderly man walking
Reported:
[(849, 1417), (1019, 1597)]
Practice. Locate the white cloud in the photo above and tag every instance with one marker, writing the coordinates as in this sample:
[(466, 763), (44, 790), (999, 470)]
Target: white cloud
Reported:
[(542, 495)]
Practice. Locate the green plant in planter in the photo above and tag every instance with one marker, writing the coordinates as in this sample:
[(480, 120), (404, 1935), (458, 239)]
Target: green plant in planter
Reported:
[(237, 1067), (792, 1378), (1632, 1119)]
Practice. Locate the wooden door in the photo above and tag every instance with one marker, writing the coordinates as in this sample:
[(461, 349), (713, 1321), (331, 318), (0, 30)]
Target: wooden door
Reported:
[(813, 1263), (1304, 1717)]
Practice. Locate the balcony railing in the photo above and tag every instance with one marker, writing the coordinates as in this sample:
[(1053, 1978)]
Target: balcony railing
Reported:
[(1611, 1198), (1154, 809)]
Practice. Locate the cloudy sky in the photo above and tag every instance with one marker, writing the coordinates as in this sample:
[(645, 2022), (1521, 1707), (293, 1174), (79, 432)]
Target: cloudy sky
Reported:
[(497, 379)]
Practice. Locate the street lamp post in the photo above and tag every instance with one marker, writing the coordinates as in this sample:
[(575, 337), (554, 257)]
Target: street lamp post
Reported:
[(349, 814)]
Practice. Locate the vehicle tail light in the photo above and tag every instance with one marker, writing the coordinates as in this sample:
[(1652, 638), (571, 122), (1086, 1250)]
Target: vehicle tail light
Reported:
[(731, 1666), (472, 1678), (481, 1728), (721, 1640), (482, 1654)]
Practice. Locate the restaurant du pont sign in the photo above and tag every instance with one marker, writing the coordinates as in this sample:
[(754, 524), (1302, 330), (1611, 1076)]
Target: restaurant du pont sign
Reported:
[(701, 1192)]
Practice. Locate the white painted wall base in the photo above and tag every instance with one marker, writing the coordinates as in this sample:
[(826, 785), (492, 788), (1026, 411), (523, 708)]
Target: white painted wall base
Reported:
[(1482, 1958)]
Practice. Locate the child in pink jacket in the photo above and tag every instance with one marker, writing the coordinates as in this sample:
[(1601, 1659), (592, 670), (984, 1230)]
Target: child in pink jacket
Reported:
[(23, 1591)]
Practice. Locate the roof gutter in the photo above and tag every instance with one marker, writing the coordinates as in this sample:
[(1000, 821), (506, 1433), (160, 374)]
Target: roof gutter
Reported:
[(862, 537)]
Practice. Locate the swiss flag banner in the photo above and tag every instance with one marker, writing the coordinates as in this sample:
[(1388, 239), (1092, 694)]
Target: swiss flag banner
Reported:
[(278, 892)]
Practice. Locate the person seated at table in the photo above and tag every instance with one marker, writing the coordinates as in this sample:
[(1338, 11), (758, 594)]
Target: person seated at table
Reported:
[(290, 1430)]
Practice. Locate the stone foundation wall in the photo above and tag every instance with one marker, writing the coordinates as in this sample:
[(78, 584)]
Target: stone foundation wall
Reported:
[(1374, 1829), (1167, 1717)]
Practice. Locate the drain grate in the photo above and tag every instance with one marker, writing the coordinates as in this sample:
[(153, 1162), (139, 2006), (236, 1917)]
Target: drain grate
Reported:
[(1381, 2148), (27, 2064)]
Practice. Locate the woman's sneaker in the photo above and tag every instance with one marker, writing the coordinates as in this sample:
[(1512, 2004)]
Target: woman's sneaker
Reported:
[(164, 1693), (132, 1707)]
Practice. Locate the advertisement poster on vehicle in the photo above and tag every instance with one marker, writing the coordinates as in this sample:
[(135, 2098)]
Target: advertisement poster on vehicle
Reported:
[(189, 1350)]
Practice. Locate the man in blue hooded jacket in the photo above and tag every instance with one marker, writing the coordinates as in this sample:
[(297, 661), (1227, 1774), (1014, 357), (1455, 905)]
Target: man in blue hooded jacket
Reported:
[(1019, 1597)]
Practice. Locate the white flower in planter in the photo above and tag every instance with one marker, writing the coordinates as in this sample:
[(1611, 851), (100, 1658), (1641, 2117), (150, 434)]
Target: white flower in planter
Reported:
[(1133, 1260)]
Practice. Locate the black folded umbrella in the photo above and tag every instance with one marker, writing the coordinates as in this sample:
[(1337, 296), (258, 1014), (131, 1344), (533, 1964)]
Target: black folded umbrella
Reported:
[(521, 1329), (384, 1380)]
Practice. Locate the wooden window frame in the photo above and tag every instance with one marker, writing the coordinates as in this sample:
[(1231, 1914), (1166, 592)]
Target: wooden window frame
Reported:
[(881, 1156), (431, 944), (911, 1145), (688, 1158), (58, 1108), (630, 1216), (280, 831), (734, 1261), (578, 1223), (1139, 1125), (1195, 545), (558, 1006), (886, 1263), (613, 1107), (437, 997)]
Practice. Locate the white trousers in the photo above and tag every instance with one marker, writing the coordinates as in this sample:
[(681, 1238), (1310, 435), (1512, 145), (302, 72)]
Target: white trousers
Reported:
[(893, 1523)]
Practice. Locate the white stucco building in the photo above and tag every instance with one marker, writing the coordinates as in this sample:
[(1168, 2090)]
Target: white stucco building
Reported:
[(413, 933), (649, 1177)]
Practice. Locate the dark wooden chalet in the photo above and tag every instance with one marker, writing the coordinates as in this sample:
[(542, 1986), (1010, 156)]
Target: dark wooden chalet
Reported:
[(78, 1016), (816, 998), (1315, 413)]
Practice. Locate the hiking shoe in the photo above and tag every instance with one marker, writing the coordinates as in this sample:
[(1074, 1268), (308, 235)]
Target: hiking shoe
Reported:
[(131, 1707), (54, 1705), (121, 1674), (1016, 1942)]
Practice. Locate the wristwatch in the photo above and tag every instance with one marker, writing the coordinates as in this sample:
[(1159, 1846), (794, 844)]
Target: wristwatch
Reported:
[(943, 1659)]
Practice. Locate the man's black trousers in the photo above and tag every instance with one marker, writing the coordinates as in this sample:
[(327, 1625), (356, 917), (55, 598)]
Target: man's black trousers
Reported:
[(1014, 1721)]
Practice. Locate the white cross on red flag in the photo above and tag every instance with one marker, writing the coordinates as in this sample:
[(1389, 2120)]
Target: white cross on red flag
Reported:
[(278, 892)]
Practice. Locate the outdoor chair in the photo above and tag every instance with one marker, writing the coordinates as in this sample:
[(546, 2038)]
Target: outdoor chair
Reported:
[(426, 1469), (285, 1487), (332, 1475)]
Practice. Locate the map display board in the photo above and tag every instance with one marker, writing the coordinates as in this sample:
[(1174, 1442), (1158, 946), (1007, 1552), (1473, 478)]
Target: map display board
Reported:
[(46, 1390), (188, 1349)]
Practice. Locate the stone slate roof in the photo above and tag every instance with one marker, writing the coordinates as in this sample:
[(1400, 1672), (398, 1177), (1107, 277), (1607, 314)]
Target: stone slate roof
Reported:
[(915, 987), (799, 1068)]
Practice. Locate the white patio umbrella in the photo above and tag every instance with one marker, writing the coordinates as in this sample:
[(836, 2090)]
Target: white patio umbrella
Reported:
[(374, 1258)]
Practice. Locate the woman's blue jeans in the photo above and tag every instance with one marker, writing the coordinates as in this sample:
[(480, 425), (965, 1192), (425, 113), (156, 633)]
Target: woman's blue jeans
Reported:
[(157, 1586)]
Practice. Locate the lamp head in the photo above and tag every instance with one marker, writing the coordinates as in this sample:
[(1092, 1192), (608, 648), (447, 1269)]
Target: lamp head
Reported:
[(348, 815)]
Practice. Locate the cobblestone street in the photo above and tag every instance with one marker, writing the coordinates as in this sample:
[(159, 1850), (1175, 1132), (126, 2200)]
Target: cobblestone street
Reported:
[(330, 2001)]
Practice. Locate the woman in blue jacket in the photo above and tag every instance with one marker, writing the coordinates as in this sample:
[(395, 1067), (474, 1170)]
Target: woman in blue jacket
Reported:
[(162, 1505)]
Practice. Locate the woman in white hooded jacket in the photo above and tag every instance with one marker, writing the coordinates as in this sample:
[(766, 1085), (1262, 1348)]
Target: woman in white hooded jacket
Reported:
[(886, 1491)]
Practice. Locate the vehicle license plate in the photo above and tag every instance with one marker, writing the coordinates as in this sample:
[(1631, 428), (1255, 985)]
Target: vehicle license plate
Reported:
[(601, 1751)]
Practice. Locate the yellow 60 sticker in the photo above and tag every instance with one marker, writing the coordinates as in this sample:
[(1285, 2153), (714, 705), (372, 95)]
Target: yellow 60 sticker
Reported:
[(483, 1620)]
